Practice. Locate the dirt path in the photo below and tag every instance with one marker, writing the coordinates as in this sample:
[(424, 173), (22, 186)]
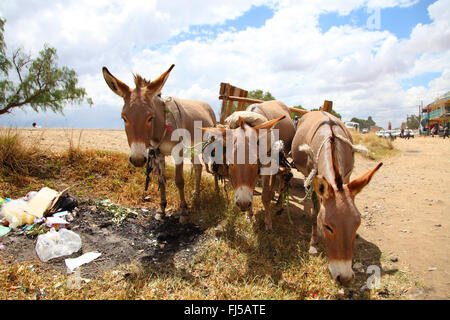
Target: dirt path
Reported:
[(404, 208), (405, 211)]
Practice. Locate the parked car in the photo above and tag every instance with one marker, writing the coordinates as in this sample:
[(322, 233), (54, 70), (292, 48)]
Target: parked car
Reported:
[(380, 133), (410, 132), (391, 134)]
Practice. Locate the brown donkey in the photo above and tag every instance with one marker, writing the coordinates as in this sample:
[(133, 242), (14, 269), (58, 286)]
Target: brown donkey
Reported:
[(242, 140), (149, 121), (322, 145)]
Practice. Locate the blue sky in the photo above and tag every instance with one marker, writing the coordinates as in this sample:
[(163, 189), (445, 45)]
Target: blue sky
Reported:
[(397, 20), (302, 52)]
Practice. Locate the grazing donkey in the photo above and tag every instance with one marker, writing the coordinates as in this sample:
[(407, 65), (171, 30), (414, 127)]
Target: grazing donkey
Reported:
[(322, 145), (149, 121), (244, 174)]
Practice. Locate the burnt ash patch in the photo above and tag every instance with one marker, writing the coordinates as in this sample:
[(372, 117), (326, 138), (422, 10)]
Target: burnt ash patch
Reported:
[(141, 239)]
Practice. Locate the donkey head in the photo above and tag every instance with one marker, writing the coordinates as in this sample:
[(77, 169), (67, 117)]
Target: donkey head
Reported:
[(242, 157), (143, 112), (337, 222)]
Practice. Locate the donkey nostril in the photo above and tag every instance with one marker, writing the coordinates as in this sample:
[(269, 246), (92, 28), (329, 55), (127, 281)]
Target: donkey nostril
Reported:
[(338, 279), (244, 206)]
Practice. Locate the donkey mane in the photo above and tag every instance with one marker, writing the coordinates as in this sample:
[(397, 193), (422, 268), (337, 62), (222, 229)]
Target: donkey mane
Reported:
[(140, 81), (337, 174)]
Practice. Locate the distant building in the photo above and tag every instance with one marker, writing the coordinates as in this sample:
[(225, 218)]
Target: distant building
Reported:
[(436, 113), (375, 129)]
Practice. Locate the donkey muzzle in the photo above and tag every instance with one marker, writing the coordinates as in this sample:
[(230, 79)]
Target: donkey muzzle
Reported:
[(341, 271), (138, 154), (244, 198)]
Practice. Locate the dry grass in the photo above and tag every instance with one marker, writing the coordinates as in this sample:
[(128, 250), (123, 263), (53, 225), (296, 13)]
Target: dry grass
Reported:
[(379, 148), (234, 259)]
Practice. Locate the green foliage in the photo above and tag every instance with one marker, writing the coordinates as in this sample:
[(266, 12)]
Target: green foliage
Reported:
[(38, 82), (4, 63), (412, 121), (364, 123), (293, 115), (261, 95)]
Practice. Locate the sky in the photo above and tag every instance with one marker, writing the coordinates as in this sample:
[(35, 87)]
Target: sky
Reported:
[(379, 58)]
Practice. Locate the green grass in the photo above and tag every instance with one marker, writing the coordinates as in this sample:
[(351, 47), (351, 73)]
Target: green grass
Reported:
[(235, 259)]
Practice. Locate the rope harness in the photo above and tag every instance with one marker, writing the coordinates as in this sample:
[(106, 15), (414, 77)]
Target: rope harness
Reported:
[(155, 159), (315, 160)]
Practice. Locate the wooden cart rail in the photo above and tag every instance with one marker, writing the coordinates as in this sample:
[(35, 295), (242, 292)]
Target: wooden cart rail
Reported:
[(230, 94)]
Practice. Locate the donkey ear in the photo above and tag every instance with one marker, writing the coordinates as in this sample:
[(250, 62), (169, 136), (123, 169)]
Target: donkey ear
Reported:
[(218, 131), (156, 86), (359, 183), (268, 124), (322, 187), (117, 86), (241, 122)]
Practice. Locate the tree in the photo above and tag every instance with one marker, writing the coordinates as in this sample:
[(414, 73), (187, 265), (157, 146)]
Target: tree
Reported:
[(261, 95), (412, 122), (293, 115), (37, 82), (364, 124)]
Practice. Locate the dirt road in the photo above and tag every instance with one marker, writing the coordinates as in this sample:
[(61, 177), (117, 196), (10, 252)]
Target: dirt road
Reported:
[(405, 208), (405, 211)]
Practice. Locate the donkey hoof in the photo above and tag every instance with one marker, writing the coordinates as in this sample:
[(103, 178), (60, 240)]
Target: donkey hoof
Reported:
[(312, 251), (183, 219), (159, 216)]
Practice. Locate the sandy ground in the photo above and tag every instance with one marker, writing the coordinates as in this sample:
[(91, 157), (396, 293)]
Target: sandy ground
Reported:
[(404, 208)]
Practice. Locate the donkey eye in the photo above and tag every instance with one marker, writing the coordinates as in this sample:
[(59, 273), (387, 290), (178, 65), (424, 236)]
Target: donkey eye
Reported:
[(149, 119), (328, 228)]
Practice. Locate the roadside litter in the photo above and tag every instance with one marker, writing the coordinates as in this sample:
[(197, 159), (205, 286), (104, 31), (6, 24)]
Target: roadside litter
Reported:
[(74, 263), (56, 244), (4, 230), (34, 205), (29, 212), (46, 213)]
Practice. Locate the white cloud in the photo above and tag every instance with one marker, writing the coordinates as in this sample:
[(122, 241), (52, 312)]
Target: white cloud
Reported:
[(359, 69)]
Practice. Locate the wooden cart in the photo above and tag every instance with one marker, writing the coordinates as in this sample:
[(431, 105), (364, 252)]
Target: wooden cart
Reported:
[(236, 99)]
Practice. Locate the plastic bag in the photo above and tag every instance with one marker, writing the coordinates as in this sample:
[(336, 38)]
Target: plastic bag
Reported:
[(55, 244), (14, 212), (66, 203)]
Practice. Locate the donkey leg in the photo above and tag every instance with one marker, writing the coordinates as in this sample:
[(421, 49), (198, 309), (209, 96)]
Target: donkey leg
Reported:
[(216, 183), (249, 215), (162, 188), (198, 176), (179, 181), (282, 188), (267, 195), (198, 167), (314, 212)]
